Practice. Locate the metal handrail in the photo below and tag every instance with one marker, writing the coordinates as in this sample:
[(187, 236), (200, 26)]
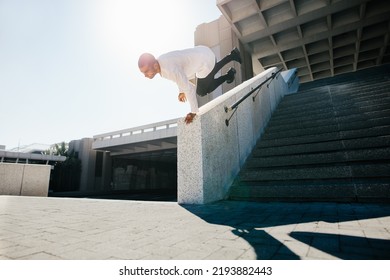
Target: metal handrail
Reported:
[(238, 102)]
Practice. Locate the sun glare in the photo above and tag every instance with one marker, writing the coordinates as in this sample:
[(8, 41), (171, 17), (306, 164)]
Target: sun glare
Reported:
[(148, 26)]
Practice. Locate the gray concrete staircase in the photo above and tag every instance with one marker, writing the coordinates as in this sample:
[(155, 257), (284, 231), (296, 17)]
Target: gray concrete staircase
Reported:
[(328, 142)]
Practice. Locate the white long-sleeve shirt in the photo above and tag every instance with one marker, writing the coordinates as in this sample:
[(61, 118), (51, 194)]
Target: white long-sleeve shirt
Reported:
[(184, 65)]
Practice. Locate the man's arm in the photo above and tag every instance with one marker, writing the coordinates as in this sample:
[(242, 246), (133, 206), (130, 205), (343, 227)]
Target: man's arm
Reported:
[(182, 97), (189, 118), (188, 89)]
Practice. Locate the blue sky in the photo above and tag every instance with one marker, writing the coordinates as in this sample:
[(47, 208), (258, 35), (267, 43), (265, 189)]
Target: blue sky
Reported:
[(68, 68)]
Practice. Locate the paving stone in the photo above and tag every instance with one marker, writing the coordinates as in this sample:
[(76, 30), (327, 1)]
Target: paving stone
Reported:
[(249, 254), (193, 255), (294, 247), (19, 251), (53, 228), (84, 254), (316, 254), (58, 249), (327, 242), (40, 256), (226, 254), (6, 243), (379, 233)]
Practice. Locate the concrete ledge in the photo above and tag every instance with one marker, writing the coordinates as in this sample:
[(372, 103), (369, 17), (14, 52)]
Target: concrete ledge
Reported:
[(24, 179), (210, 153), (29, 156)]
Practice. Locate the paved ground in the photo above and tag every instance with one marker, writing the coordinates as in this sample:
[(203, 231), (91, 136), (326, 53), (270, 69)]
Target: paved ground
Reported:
[(60, 228)]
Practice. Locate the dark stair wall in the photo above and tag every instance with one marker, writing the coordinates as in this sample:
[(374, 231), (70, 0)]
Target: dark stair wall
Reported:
[(328, 142)]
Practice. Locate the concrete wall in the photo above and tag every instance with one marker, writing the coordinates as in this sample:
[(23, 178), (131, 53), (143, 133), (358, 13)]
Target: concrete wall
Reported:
[(210, 154), (88, 179), (24, 179)]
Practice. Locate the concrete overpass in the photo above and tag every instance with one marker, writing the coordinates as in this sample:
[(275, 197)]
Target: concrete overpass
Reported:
[(138, 160), (156, 141)]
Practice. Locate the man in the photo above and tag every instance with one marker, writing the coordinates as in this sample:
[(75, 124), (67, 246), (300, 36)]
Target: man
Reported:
[(184, 65)]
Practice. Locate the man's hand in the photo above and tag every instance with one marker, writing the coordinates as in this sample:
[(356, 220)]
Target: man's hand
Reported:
[(189, 118), (182, 97)]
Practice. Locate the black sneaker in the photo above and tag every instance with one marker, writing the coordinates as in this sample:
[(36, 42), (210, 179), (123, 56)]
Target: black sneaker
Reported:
[(235, 53), (231, 73)]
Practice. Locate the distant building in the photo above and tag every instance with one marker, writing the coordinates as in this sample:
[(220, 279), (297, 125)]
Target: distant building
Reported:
[(34, 148)]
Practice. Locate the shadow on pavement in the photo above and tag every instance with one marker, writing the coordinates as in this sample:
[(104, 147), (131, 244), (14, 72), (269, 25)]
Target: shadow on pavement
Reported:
[(345, 246), (252, 221)]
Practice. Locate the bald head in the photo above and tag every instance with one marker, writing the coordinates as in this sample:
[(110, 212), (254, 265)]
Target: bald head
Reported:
[(148, 65), (146, 59)]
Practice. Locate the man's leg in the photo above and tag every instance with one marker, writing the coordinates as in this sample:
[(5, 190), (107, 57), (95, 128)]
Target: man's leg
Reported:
[(233, 56), (202, 86), (209, 83)]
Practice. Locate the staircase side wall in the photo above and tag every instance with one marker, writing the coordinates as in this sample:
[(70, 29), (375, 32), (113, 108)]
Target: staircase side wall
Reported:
[(210, 153)]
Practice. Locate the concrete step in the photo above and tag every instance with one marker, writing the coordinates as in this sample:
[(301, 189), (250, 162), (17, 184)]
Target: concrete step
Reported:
[(319, 158), (379, 116), (315, 172), (324, 137), (326, 146), (336, 93), (327, 112), (362, 86), (362, 105), (369, 75), (366, 190), (333, 126), (307, 87), (316, 103)]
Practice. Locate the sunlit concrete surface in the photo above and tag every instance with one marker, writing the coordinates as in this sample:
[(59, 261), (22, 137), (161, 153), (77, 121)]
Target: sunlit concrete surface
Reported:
[(74, 229)]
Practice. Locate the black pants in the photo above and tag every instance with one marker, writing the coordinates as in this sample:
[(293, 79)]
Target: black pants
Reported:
[(208, 84)]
